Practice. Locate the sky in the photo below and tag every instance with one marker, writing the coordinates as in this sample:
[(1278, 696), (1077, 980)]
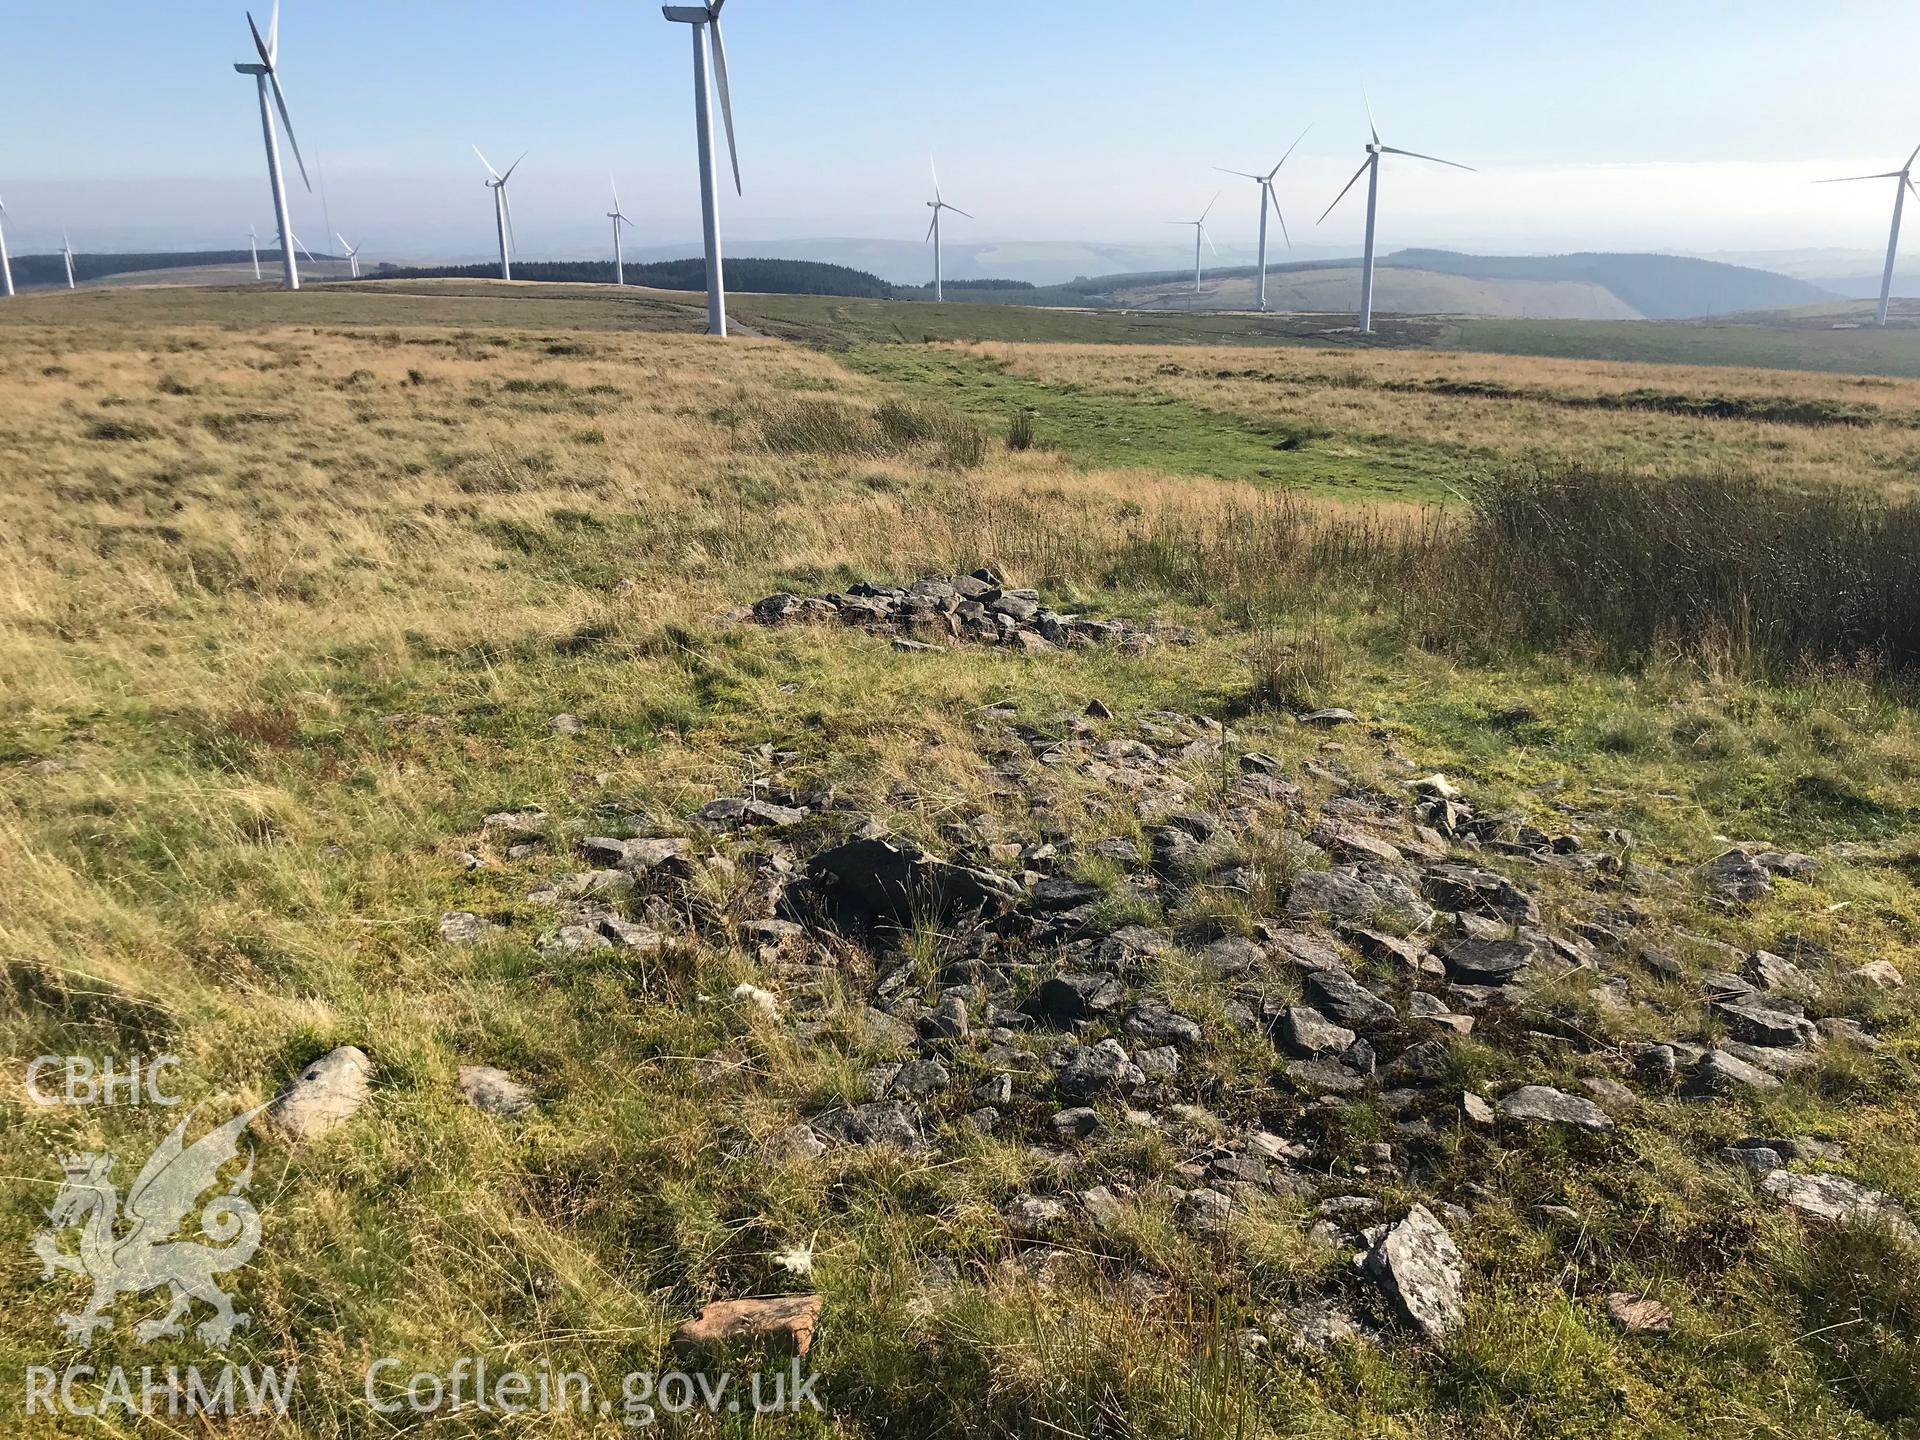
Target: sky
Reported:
[(1614, 124)]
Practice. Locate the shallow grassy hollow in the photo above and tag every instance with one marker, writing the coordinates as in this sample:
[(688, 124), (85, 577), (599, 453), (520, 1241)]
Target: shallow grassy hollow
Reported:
[(285, 612)]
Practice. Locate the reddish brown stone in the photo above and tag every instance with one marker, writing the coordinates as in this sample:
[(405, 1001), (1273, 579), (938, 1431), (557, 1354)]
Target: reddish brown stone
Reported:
[(791, 1316)]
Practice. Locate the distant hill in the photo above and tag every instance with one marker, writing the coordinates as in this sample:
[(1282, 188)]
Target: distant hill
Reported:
[(1399, 290), (747, 276), (1659, 287), (36, 271)]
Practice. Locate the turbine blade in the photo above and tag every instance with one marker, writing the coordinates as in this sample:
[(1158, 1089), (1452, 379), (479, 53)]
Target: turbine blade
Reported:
[(273, 35), (936, 178), (1288, 156), (956, 209), (930, 226), (726, 99), (513, 167), (1911, 158), (1849, 179), (1343, 194), (348, 249), (1367, 101), (506, 205), (1209, 210), (280, 100), (259, 41), (1209, 239), (1416, 155), (1241, 173), (486, 162), (614, 185), (1283, 219)]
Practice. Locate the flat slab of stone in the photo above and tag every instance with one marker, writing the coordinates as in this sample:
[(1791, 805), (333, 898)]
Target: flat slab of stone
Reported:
[(791, 1318), (1418, 1268), (326, 1094), (1833, 1197), (1484, 962), (1543, 1105), (491, 1090)]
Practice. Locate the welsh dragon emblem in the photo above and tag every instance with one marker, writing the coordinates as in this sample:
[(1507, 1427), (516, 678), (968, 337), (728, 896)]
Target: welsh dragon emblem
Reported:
[(147, 1255)]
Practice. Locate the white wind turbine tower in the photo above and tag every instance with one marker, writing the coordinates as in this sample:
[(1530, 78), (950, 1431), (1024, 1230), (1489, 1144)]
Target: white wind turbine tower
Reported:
[(618, 219), (6, 264), (1199, 234), (253, 244), (267, 75), (1903, 182), (353, 255), (1267, 197), (699, 18), (1370, 167), (503, 212), (933, 232), (66, 254)]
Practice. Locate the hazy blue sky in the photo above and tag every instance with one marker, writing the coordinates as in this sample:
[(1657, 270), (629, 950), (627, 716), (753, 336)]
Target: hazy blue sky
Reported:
[(1689, 125)]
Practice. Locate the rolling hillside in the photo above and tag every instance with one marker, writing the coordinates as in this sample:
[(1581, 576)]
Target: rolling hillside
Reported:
[(1397, 289), (1658, 287)]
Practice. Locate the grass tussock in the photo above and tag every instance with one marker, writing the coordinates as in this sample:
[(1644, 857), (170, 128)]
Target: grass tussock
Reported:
[(1620, 567), (894, 429)]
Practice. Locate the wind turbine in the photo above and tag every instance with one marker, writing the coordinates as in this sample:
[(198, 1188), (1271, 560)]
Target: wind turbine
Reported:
[(353, 255), (933, 231), (1370, 167), (6, 264), (699, 18), (1199, 234), (266, 74), (1903, 182), (1267, 197), (618, 219), (502, 212), (253, 245), (66, 254)]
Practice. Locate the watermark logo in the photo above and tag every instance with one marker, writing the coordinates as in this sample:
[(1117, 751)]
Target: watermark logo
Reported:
[(132, 1248)]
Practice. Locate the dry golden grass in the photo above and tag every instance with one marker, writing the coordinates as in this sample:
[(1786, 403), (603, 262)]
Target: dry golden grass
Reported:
[(1379, 395)]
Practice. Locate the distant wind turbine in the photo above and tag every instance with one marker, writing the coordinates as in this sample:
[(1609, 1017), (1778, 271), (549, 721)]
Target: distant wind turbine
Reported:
[(6, 264), (267, 75), (1903, 182), (1199, 234), (1370, 167), (353, 255), (1268, 198), (933, 232), (503, 212), (253, 245), (618, 219), (280, 239), (700, 18), (66, 254)]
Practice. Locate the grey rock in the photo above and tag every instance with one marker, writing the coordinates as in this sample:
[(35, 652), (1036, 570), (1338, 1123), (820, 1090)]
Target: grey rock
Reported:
[(1055, 893), (1832, 1197), (1358, 895), (1484, 962), (1032, 1216), (1349, 1002), (463, 927), (495, 1091), (1419, 1270), (899, 882), (1306, 1032), (1467, 890), (1736, 878), (326, 1094), (1078, 1123), (1065, 999), (1753, 1023), (1541, 1104), (881, 1122), (1720, 1072), (1156, 1020), (734, 814), (1758, 1158), (1089, 1069), (920, 1078), (1229, 955), (1102, 1207), (1204, 1212), (1328, 719)]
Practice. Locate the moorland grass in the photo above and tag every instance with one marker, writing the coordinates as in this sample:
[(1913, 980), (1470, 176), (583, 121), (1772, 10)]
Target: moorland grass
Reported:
[(259, 685)]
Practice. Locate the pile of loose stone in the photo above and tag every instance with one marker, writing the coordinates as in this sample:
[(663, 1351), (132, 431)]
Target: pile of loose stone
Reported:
[(945, 610), (1398, 918)]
